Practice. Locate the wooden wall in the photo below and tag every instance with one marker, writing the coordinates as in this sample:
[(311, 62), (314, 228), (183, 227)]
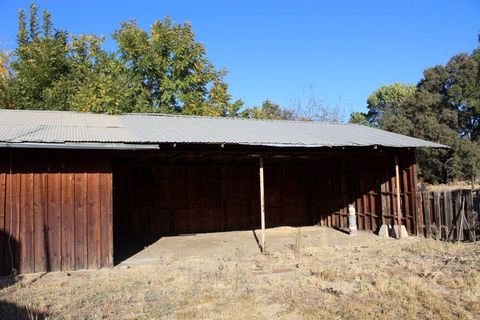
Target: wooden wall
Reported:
[(450, 215), (56, 207), (62, 208), (160, 198), (319, 191), (155, 200)]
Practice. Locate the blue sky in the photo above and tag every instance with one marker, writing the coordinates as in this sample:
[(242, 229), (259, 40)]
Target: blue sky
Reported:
[(341, 51)]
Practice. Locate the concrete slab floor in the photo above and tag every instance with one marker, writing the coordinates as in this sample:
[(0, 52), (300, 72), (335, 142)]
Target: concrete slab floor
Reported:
[(222, 244)]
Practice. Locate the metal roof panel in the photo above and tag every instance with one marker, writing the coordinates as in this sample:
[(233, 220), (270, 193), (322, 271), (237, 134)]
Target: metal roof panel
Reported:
[(32, 126)]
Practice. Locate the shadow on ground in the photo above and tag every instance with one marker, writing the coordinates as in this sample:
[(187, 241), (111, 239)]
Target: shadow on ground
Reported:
[(7, 281), (10, 311)]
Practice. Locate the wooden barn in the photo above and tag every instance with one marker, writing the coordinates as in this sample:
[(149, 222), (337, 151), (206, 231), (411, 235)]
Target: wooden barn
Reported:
[(80, 190)]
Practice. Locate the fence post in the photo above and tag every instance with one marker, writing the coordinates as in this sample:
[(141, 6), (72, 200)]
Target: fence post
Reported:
[(438, 219), (419, 214), (469, 214), (426, 212), (448, 214), (457, 212)]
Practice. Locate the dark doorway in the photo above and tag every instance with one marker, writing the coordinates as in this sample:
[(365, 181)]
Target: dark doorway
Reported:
[(155, 199)]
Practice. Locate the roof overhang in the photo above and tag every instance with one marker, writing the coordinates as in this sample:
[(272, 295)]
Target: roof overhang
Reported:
[(80, 145)]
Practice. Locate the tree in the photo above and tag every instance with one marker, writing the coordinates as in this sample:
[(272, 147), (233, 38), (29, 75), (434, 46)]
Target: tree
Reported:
[(219, 99), (4, 68), (359, 118), (268, 111), (443, 107), (164, 70), (96, 82), (39, 60), (4, 77), (173, 69), (385, 108), (449, 99)]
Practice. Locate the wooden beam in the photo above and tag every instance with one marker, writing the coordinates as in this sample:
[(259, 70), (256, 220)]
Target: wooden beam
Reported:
[(397, 186), (262, 203)]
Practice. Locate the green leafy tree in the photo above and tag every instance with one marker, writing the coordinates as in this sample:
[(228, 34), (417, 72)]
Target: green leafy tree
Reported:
[(173, 69), (385, 108), (448, 101), (268, 111), (39, 60), (164, 70), (96, 82), (443, 107), (359, 118), (219, 99), (4, 70)]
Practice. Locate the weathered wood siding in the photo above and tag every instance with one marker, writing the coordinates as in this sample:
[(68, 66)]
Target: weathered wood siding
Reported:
[(154, 200), (56, 208), (449, 215), (160, 198), (319, 192)]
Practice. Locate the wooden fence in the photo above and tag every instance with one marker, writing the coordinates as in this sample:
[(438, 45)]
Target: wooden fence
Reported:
[(449, 215)]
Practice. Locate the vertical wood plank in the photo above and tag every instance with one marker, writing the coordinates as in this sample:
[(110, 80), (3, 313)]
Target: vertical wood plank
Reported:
[(262, 203), (447, 196), (80, 218), (469, 214), (407, 191), (427, 214), (54, 226), (420, 214), (68, 220), (415, 200), (383, 203), (11, 221), (40, 223), (398, 205), (93, 213), (106, 187), (457, 196), (4, 253), (391, 195), (27, 250), (373, 210), (17, 218), (438, 221)]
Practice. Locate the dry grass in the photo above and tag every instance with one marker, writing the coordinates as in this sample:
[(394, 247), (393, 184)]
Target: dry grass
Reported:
[(407, 279), (455, 185)]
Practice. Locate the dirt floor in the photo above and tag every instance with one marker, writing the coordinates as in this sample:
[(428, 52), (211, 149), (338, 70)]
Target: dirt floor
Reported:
[(306, 273), (225, 244)]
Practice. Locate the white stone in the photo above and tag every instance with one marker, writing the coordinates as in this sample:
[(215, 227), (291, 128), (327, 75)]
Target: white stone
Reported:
[(384, 232), (400, 231)]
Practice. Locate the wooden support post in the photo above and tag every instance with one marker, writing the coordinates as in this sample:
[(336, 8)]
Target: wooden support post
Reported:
[(397, 186), (426, 212), (262, 203)]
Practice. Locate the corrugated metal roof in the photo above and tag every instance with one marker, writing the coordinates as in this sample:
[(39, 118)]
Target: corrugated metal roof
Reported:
[(61, 126), (27, 126)]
